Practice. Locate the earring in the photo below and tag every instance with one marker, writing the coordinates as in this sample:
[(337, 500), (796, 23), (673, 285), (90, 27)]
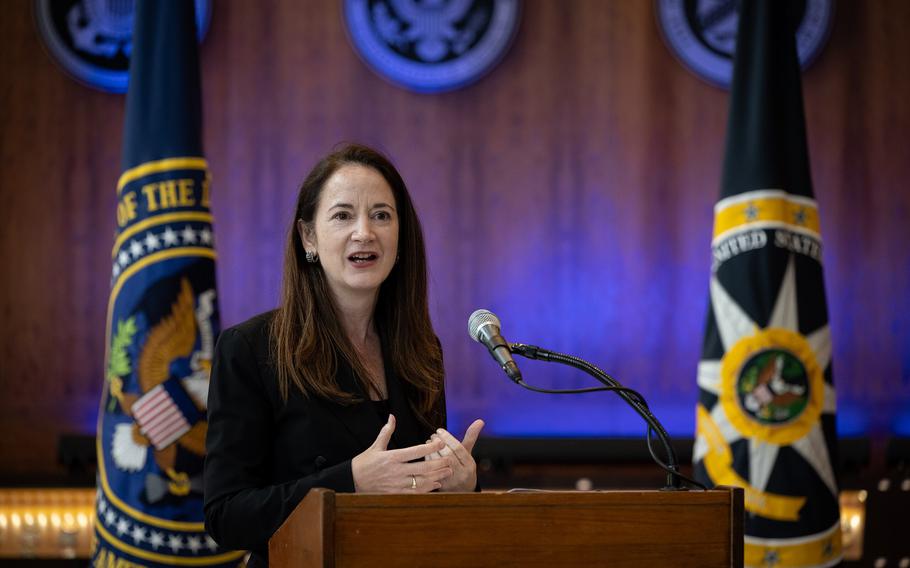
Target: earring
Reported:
[(312, 257)]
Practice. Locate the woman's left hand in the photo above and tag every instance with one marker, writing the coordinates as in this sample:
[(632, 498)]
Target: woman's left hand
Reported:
[(464, 476)]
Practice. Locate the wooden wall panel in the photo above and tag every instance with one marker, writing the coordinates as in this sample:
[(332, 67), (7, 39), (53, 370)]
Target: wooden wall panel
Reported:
[(60, 156), (589, 156)]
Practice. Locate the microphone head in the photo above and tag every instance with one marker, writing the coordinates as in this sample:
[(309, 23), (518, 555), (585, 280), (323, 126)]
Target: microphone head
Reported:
[(479, 319)]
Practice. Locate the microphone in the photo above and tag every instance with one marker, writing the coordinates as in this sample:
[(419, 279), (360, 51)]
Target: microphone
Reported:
[(484, 327)]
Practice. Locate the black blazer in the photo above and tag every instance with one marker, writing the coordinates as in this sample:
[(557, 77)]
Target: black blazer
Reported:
[(264, 455)]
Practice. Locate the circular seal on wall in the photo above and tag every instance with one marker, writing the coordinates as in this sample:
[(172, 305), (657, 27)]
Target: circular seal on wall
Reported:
[(92, 39), (702, 34), (431, 46)]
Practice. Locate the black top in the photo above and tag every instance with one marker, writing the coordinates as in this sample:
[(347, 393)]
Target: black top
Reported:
[(264, 455), (382, 408)]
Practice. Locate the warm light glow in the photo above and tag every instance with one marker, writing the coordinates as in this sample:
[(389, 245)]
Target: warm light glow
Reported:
[(854, 522), (28, 515)]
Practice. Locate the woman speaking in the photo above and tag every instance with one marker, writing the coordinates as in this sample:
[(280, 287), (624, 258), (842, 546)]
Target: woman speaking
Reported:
[(342, 386)]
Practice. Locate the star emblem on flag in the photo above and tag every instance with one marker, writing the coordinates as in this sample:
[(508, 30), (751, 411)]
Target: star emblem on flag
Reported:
[(751, 212), (802, 432)]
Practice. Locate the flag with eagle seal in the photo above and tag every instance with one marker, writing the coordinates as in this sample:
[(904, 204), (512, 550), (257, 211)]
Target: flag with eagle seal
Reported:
[(765, 418), (162, 319)]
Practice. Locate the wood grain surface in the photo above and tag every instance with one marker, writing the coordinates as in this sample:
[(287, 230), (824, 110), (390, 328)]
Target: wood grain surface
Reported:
[(615, 528)]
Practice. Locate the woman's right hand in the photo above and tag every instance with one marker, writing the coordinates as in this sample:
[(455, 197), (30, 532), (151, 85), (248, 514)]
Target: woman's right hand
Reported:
[(380, 470)]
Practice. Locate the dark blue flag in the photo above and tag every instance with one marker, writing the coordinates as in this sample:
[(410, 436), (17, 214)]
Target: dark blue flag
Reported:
[(162, 314), (767, 400)]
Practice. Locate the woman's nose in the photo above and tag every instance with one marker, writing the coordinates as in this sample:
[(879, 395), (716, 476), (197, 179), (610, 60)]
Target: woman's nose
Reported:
[(362, 230)]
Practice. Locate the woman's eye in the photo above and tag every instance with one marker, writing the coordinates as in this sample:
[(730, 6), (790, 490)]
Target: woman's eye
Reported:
[(383, 215), (341, 216)]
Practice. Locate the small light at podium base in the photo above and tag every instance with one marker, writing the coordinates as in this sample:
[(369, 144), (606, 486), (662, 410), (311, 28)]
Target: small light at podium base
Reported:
[(584, 484), (853, 522)]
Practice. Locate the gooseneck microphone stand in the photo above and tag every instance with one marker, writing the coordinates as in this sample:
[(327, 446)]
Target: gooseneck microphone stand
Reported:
[(632, 397)]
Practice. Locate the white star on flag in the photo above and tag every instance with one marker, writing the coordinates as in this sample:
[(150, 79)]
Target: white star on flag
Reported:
[(170, 237), (194, 543), (188, 235), (210, 543), (123, 258), (156, 539), (138, 534), (136, 249), (122, 526), (205, 237), (152, 242), (110, 517), (174, 541)]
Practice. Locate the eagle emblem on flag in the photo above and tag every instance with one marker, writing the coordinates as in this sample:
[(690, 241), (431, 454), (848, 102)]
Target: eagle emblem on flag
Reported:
[(168, 410)]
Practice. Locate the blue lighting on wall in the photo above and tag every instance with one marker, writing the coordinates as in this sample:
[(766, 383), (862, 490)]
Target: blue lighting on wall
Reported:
[(902, 424), (852, 421)]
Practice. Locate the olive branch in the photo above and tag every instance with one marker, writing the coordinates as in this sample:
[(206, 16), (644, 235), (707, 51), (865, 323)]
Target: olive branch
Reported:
[(118, 364)]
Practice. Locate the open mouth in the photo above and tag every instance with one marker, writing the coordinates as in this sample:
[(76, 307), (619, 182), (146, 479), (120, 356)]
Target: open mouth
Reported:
[(359, 258)]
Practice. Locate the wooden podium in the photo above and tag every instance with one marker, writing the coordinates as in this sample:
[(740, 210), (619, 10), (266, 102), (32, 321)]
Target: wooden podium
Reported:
[(553, 529)]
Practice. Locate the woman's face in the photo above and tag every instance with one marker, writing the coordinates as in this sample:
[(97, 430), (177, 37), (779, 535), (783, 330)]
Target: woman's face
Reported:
[(354, 231)]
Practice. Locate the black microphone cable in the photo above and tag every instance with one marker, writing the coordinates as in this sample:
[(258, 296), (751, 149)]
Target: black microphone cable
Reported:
[(631, 396)]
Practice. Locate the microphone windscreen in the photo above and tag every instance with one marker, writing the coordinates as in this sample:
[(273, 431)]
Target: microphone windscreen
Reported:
[(479, 319)]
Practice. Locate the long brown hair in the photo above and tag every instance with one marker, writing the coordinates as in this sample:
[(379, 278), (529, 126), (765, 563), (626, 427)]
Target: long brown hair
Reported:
[(306, 332)]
